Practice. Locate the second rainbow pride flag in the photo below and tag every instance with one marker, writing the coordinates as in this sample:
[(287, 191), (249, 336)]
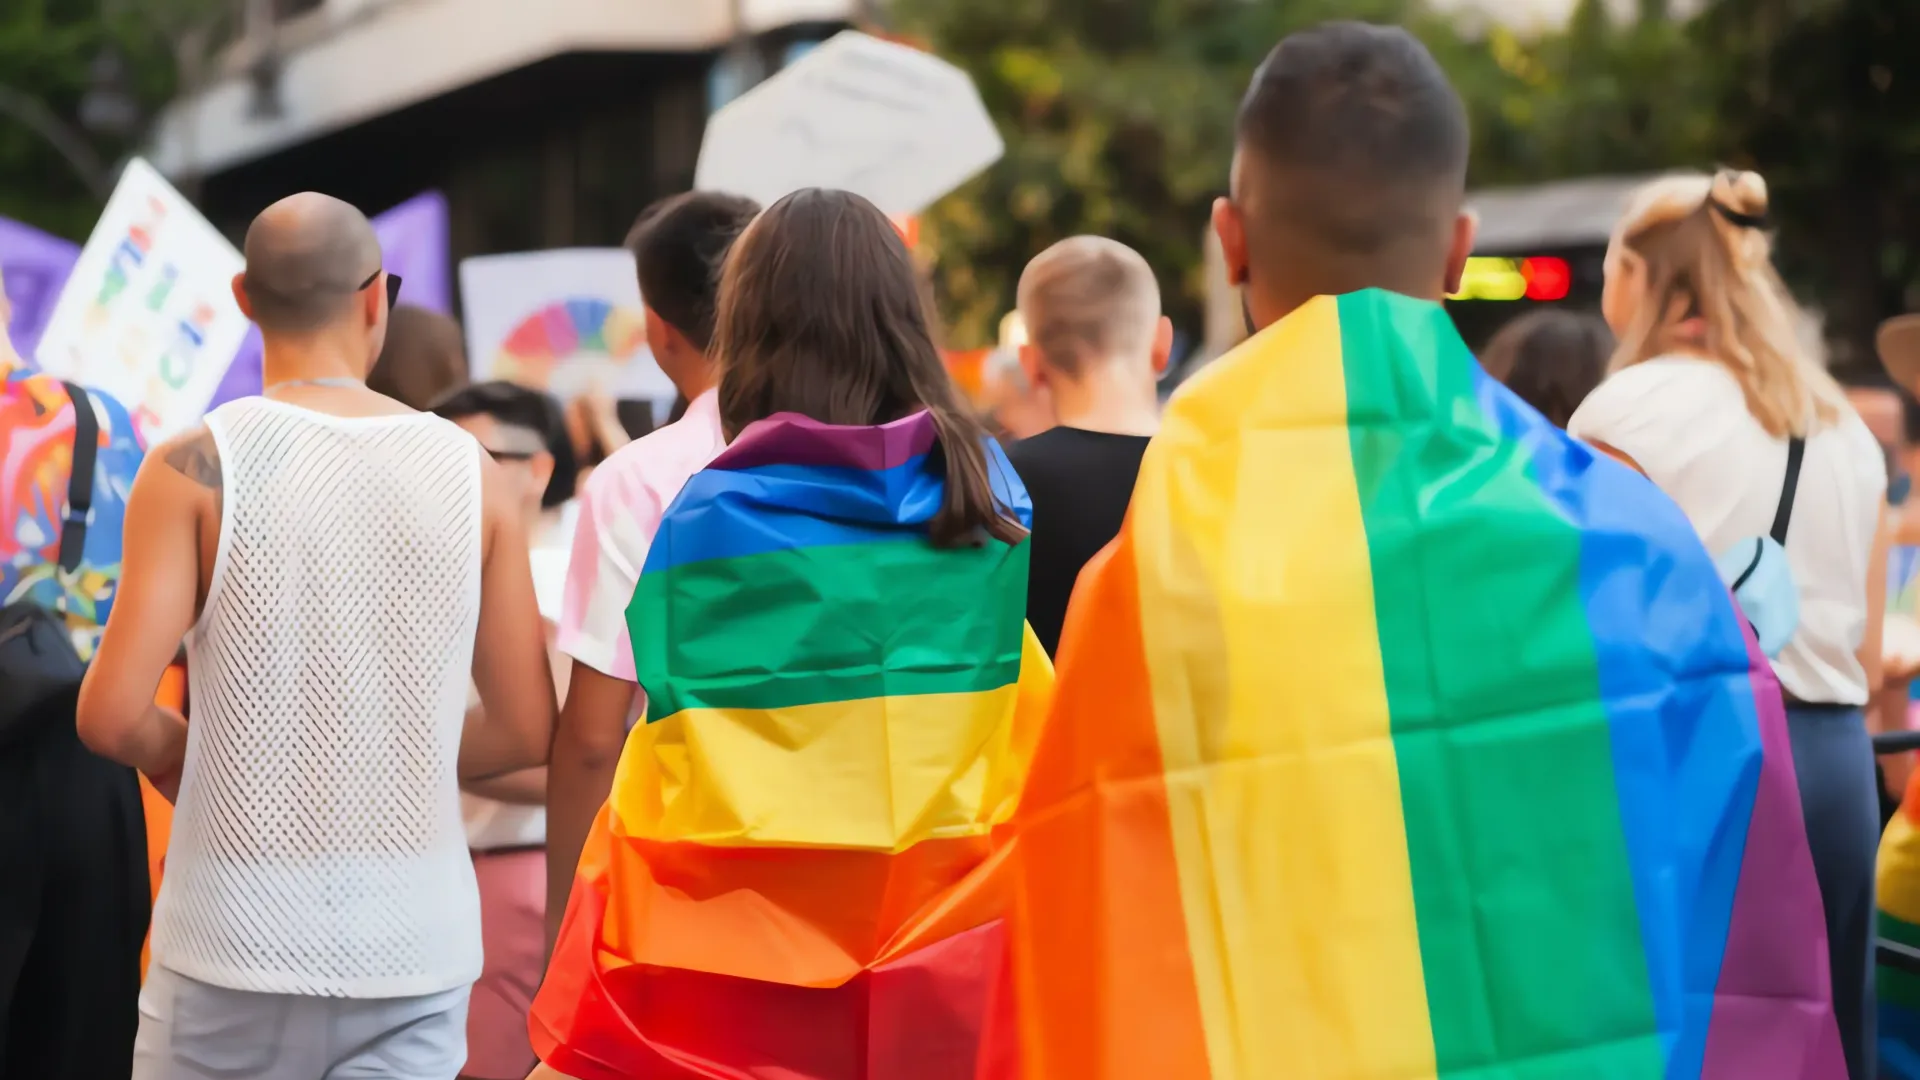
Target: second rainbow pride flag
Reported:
[(838, 715), (1401, 736)]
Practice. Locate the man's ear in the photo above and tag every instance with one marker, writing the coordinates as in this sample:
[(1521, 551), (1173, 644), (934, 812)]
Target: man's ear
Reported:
[(1231, 228), (1162, 345), (371, 299), (542, 466), (240, 295), (1030, 363), (1466, 227)]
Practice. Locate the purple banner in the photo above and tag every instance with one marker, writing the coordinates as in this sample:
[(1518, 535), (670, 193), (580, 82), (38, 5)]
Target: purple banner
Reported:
[(413, 244), (35, 266)]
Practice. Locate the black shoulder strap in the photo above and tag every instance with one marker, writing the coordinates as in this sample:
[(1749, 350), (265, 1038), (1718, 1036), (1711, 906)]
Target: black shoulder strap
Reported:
[(1796, 453), (86, 448)]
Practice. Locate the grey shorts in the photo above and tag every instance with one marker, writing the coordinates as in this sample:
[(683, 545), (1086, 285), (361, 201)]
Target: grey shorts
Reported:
[(192, 1031)]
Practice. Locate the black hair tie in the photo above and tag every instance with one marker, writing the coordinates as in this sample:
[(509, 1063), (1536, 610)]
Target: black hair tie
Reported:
[(1745, 221)]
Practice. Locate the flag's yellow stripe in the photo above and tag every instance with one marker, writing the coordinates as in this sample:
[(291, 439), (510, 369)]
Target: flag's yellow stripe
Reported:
[(1899, 868), (878, 774), (1257, 607)]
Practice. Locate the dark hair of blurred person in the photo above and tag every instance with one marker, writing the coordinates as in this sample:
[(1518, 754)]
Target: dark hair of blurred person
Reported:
[(516, 425), (821, 314), (678, 245), (1551, 359), (424, 359), (1349, 172)]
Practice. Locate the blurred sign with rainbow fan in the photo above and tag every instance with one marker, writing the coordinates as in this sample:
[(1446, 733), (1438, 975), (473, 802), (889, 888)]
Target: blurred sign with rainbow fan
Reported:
[(565, 321)]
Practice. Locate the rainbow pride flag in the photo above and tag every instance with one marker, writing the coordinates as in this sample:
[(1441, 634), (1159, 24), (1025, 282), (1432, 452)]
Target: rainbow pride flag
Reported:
[(1399, 736), (838, 714), (1898, 891)]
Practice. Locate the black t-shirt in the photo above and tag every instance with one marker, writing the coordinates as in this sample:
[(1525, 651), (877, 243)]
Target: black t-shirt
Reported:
[(1080, 482)]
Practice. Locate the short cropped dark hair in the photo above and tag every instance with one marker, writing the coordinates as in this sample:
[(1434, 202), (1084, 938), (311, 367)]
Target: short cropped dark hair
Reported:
[(1366, 114), (678, 246), (518, 406)]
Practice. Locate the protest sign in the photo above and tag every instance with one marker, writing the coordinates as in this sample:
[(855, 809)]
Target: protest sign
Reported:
[(413, 244), (887, 121), (148, 314), (565, 321), (35, 266)]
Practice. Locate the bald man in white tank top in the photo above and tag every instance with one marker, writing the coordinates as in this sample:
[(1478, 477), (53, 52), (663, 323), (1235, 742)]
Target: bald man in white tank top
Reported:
[(339, 566)]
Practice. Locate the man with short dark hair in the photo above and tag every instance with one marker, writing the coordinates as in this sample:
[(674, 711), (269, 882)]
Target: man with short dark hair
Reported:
[(678, 246), (1398, 734), (1349, 172)]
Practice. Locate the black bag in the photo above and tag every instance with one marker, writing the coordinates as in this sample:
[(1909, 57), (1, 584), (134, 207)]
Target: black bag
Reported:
[(38, 665)]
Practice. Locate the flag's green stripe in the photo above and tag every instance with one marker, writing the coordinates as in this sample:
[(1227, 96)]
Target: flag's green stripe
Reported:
[(1898, 986), (1529, 935), (807, 625)]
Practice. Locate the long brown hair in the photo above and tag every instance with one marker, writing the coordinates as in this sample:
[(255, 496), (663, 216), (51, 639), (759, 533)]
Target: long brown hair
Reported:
[(1707, 256), (820, 314)]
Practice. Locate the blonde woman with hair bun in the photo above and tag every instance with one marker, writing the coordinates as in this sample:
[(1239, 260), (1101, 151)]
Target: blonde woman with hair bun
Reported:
[(1710, 389)]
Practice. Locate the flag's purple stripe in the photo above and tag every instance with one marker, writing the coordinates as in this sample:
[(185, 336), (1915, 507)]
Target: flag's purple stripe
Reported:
[(1772, 1013), (792, 439)]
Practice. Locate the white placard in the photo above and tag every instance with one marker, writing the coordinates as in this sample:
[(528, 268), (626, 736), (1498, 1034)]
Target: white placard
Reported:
[(886, 121), (564, 321), (148, 315)]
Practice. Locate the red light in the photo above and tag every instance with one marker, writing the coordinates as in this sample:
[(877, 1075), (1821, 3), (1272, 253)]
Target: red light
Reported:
[(1547, 278)]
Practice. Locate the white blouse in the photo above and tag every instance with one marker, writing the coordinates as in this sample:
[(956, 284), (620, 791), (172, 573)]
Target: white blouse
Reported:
[(1684, 421)]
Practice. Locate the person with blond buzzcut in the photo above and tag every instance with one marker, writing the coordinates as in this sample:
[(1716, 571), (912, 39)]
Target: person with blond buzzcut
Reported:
[(1097, 343)]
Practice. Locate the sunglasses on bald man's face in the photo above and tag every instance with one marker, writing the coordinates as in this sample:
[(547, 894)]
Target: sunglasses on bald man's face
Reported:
[(393, 286)]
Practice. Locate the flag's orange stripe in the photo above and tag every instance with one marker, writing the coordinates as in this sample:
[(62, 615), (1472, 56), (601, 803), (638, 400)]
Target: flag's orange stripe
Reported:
[(1105, 982), (799, 916)]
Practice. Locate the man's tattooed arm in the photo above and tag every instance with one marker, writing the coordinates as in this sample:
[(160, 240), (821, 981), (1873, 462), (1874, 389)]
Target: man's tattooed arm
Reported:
[(195, 456)]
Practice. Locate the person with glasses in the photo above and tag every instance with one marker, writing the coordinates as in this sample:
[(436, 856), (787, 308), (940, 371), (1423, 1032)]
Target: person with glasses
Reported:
[(341, 567), (523, 430)]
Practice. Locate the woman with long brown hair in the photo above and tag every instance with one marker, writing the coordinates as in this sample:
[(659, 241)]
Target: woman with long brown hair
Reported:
[(1718, 396), (789, 877)]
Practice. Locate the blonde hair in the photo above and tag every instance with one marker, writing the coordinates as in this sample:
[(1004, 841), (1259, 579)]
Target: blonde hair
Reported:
[(1705, 252), (1088, 299)]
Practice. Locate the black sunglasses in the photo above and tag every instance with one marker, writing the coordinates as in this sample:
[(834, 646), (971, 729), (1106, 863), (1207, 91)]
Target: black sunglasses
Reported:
[(393, 286)]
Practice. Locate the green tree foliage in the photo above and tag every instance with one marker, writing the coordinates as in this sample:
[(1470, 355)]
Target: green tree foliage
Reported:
[(1118, 118), (47, 52)]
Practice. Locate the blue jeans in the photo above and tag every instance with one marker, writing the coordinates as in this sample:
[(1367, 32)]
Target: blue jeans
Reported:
[(1833, 758)]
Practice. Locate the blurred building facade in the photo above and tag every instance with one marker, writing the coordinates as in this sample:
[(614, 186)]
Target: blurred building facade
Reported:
[(547, 123)]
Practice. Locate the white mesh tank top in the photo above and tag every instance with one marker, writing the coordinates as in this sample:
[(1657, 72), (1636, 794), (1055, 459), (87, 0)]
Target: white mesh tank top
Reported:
[(317, 846)]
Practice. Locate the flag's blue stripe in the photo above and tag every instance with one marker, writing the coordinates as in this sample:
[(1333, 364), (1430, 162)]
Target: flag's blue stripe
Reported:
[(731, 513), (1675, 681)]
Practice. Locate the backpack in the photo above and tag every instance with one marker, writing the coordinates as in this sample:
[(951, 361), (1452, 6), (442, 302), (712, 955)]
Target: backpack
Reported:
[(38, 663)]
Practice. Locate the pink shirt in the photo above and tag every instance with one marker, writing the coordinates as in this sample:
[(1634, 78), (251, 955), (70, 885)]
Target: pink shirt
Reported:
[(620, 510)]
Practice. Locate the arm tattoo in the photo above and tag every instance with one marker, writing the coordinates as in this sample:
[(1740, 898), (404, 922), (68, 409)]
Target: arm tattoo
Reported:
[(198, 459)]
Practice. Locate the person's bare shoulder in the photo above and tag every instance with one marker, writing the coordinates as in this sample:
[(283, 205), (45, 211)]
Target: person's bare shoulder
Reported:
[(194, 455)]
